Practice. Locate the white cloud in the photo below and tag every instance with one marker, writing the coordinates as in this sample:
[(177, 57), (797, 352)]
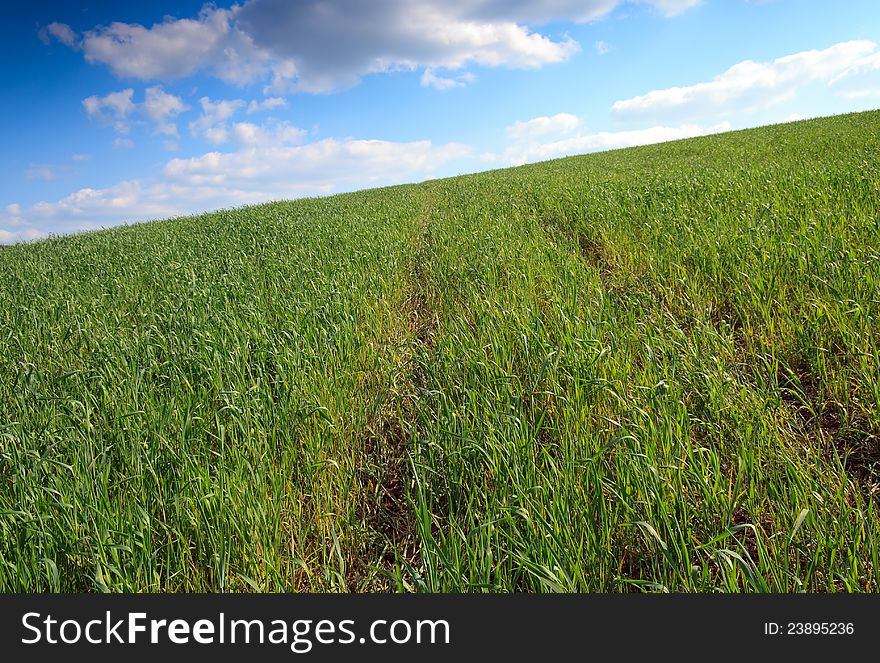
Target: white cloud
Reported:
[(749, 85), (123, 143), (561, 123), (266, 104), (61, 32), (395, 35), (117, 108), (81, 157), (211, 124), (859, 81), (328, 164), (114, 108), (322, 45), (526, 147), (166, 51), (601, 47), (162, 108), (269, 165), (273, 132), (431, 79)]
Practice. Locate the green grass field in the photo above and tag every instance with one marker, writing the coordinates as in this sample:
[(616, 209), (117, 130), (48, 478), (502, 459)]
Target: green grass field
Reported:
[(654, 369)]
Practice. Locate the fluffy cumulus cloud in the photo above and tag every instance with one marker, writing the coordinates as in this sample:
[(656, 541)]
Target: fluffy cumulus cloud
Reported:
[(212, 123), (114, 108), (562, 135), (168, 50), (61, 32), (270, 162), (396, 34), (119, 108), (215, 127), (322, 45), (161, 108), (751, 85)]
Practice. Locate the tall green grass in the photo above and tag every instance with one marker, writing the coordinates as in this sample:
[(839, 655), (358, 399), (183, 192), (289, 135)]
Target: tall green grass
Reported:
[(655, 369), (183, 403)]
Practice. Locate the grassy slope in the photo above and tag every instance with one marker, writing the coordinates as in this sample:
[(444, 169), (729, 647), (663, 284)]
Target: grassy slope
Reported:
[(651, 368)]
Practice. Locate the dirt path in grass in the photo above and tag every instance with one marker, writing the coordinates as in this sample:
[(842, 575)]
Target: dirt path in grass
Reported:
[(385, 509)]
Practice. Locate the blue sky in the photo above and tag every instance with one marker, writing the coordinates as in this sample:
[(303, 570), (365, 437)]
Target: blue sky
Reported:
[(118, 112)]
